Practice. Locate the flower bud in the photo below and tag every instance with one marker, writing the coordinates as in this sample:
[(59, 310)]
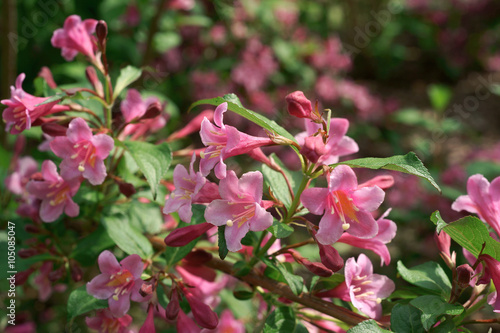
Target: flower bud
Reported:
[(101, 31), (76, 271), (313, 148), (46, 74), (23, 276), (186, 324), (173, 307), (197, 257), (185, 235), (298, 105), (330, 257), (54, 129), (202, 313), (91, 74), (125, 188), (464, 275), (57, 274), (32, 229), (147, 288), (154, 110), (26, 253), (314, 267), (149, 325)]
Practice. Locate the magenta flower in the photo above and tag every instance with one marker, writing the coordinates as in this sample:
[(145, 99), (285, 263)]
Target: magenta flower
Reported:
[(22, 109), (187, 186), (344, 205), (149, 324), (134, 107), (76, 36), (240, 208), (17, 180), (55, 192), (337, 144), (82, 152), (386, 232), (483, 199), (224, 141), (493, 266), (118, 282), (105, 322)]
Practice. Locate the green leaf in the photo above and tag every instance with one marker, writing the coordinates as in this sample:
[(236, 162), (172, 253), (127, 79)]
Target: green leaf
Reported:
[(471, 233), (127, 238), (409, 163), (54, 98), (280, 230), (406, 318), (241, 268), (367, 326), (222, 241), (433, 307), (438, 221), (278, 184), (236, 107), (152, 160), (146, 217), (164, 41), (428, 275), (80, 302), (281, 320), (295, 282), (448, 326), (88, 249), (243, 295), (439, 95), (127, 75)]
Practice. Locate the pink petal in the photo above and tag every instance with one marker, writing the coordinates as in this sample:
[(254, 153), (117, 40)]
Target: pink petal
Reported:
[(97, 174), (365, 227), (108, 263), (218, 114), (386, 230), (229, 187), (220, 211), (103, 144), (261, 220), (464, 202), (98, 288), (342, 178), (62, 147), (120, 307), (234, 235), (49, 213), (220, 169), (19, 81), (330, 229), (49, 171), (133, 263), (314, 199), (368, 198), (338, 128), (71, 209), (251, 183), (495, 189), (78, 130)]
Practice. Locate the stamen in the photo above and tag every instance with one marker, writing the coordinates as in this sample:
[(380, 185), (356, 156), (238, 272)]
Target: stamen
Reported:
[(345, 226), (115, 297), (202, 155), (355, 290), (74, 156), (229, 223), (378, 300), (81, 168), (52, 203)]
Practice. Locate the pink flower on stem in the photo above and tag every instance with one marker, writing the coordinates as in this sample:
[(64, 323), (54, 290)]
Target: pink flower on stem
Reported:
[(104, 322), (363, 288), (118, 282), (224, 141), (240, 209), (337, 143), (16, 182), (386, 232), (345, 206), (82, 152), (76, 36), (483, 199), (187, 186), (134, 107), (493, 266), (23, 109), (149, 324), (55, 192)]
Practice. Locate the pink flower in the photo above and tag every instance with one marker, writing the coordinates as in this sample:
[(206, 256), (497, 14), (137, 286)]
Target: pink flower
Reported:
[(118, 282), (187, 186), (483, 199), (104, 322), (22, 109), (43, 282), (224, 141), (82, 152), (298, 105), (386, 232), (337, 144), (240, 208), (149, 324), (227, 323), (24, 168), (76, 36), (493, 266), (134, 107), (55, 192), (344, 205)]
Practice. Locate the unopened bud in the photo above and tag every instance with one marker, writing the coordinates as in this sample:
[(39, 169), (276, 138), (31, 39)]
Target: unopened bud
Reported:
[(101, 31), (314, 267), (23, 276), (32, 229), (154, 110), (183, 236), (202, 313), (57, 274), (46, 74), (313, 148), (146, 289), (197, 258), (173, 307), (298, 105), (26, 253), (125, 188), (76, 271), (91, 74), (54, 129), (330, 257), (464, 275)]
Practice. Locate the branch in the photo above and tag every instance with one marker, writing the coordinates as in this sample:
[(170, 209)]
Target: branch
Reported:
[(283, 290)]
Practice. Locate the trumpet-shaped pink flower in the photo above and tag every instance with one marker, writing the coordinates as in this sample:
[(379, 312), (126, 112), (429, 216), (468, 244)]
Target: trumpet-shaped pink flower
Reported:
[(344, 205), (76, 36), (82, 152), (24, 168), (105, 322), (483, 199), (386, 232), (134, 107), (22, 109), (337, 144), (55, 192), (187, 186), (118, 282), (224, 141), (240, 209)]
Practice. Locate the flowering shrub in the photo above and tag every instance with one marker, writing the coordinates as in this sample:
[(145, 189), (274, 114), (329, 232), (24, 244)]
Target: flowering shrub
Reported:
[(210, 228)]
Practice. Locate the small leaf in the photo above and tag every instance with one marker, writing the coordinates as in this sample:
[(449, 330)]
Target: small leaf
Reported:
[(439, 95), (295, 282), (438, 221), (406, 318), (88, 249), (80, 302), (127, 238), (52, 99), (232, 105), (281, 320), (433, 307), (367, 326), (241, 268), (223, 251), (243, 295), (428, 275), (471, 233), (152, 160), (280, 230), (409, 163), (127, 75)]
